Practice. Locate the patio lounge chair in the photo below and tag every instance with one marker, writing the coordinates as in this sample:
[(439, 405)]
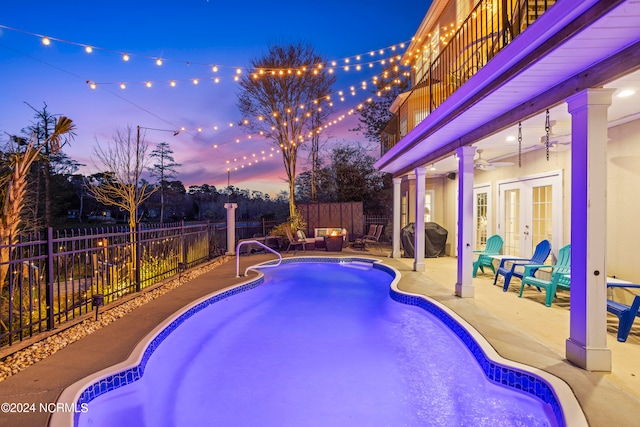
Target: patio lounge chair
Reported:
[(543, 249), (560, 275), (375, 231), (293, 242), (626, 313), (493, 247)]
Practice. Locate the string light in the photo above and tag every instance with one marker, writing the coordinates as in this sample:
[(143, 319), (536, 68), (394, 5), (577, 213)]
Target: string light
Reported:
[(261, 72), (126, 56), (316, 103)]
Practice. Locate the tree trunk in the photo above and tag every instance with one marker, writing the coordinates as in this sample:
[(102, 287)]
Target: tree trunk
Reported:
[(47, 193), (292, 202), (161, 202)]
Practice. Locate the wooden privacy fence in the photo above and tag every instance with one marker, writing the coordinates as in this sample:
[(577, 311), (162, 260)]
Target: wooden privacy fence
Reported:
[(349, 215)]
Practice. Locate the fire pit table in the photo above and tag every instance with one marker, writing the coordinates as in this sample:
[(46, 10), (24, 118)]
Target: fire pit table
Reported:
[(333, 243)]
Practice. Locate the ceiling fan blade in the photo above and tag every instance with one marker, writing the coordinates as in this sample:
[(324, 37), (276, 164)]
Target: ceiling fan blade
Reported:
[(501, 164), (485, 166), (558, 147)]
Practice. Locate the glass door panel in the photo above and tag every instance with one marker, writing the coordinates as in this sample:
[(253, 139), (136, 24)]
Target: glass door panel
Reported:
[(542, 220), (512, 220), (530, 211), (482, 218)]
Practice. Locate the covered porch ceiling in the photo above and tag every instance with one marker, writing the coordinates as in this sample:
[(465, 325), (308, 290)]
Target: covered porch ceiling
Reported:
[(566, 50)]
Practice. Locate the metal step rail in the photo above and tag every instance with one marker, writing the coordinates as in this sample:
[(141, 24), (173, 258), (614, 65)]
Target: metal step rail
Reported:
[(254, 242)]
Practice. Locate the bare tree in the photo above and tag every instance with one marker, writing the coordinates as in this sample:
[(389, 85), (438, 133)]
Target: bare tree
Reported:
[(163, 170), (289, 84), (123, 159)]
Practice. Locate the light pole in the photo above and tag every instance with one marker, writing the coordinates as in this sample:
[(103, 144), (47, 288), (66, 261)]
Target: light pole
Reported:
[(138, 171), (135, 234)]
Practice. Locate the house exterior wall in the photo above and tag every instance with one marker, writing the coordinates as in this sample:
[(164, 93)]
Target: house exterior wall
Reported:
[(623, 203), (623, 172)]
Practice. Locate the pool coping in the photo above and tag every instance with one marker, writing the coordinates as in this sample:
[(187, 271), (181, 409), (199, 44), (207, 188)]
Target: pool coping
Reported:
[(497, 369)]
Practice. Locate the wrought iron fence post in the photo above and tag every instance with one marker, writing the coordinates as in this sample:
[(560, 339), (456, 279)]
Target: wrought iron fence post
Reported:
[(183, 249), (49, 284), (208, 239), (138, 257)]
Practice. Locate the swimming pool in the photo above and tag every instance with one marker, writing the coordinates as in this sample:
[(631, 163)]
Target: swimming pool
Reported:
[(316, 343)]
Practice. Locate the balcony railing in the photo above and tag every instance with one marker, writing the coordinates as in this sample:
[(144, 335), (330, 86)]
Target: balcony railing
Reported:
[(490, 27)]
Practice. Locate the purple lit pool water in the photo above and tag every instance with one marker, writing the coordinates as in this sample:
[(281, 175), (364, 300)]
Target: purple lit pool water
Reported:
[(317, 344)]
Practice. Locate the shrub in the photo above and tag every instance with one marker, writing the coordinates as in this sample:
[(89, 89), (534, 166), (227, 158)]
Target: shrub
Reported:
[(296, 222)]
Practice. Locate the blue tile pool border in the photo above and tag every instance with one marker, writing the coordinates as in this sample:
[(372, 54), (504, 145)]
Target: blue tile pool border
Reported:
[(500, 374)]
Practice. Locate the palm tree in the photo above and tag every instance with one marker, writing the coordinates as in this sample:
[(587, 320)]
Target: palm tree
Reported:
[(13, 183)]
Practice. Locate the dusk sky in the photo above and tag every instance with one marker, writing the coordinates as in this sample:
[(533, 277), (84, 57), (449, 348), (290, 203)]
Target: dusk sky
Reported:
[(190, 36)]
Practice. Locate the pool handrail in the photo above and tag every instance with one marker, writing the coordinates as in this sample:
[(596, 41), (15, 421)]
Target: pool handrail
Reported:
[(259, 244)]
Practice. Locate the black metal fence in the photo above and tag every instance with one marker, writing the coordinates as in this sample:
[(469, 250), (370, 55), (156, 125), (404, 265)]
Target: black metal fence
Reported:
[(52, 277)]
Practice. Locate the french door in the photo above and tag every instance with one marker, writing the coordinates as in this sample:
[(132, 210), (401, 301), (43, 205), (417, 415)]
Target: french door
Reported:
[(482, 215), (530, 210)]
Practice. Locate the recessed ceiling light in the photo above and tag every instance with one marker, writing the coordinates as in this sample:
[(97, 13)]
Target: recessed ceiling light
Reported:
[(626, 92), (510, 138)]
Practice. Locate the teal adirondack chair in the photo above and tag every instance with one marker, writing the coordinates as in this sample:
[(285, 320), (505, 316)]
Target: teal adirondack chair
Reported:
[(560, 275), (493, 247)]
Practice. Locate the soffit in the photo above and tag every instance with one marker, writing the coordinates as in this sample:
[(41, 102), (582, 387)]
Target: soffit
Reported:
[(599, 40)]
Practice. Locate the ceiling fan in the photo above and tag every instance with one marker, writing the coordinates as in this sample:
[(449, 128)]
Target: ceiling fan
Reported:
[(486, 165), (557, 142)]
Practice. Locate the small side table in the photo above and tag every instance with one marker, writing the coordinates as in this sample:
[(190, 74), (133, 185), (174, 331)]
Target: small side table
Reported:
[(333, 243)]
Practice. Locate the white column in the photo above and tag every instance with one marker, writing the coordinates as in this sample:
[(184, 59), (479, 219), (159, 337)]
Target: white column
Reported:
[(397, 208), (464, 283), (418, 256), (587, 343), (231, 228)]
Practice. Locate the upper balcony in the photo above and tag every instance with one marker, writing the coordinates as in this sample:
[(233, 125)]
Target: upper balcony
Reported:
[(488, 29)]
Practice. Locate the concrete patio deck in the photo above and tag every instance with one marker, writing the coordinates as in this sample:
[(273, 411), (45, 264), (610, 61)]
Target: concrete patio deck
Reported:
[(520, 329)]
